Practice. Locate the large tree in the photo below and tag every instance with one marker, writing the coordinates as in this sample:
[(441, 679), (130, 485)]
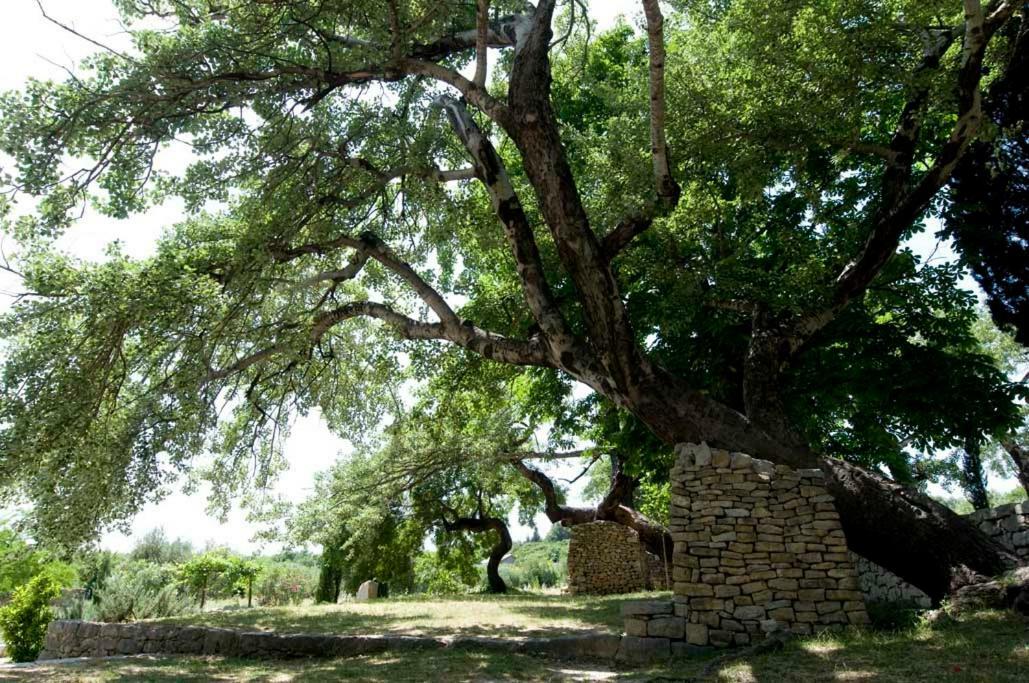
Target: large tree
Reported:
[(780, 165)]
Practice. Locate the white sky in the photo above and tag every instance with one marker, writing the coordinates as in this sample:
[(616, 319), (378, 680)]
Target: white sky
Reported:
[(30, 46)]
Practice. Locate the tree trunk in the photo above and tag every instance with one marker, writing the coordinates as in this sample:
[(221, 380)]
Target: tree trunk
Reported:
[(908, 533), (503, 546), (1020, 456), (250, 593), (973, 479)]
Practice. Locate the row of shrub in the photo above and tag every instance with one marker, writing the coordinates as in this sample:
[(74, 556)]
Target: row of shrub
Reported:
[(158, 578)]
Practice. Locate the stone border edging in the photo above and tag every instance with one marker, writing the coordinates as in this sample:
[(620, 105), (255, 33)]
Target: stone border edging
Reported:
[(73, 639)]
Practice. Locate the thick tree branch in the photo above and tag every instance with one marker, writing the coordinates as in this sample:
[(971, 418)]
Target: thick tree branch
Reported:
[(481, 42), (619, 363), (899, 205), (503, 546), (653, 536), (508, 208), (667, 189)]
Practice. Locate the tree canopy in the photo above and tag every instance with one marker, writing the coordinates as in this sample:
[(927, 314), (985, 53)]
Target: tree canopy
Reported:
[(698, 219)]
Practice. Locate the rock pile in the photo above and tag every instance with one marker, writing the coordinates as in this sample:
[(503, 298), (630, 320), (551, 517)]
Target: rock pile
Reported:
[(605, 558), (757, 547)]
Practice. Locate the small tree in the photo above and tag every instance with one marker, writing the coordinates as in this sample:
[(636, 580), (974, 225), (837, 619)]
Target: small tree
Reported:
[(241, 574), (24, 620), (197, 573)]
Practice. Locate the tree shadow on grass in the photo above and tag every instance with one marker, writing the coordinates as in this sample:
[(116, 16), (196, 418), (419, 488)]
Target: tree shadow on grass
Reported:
[(985, 647), (518, 615)]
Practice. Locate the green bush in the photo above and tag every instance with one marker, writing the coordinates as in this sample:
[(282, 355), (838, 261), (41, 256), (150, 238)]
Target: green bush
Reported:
[(139, 590), (24, 620), (286, 584), (436, 575)]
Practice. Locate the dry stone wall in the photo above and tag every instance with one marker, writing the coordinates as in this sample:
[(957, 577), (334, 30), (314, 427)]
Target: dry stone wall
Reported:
[(883, 586), (1008, 525), (605, 558), (758, 547), (66, 639)]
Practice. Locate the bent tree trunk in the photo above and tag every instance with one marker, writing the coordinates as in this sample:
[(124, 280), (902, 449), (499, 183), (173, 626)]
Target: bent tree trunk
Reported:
[(503, 546), (654, 537)]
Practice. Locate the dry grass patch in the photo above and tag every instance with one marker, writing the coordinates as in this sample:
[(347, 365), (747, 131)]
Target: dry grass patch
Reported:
[(519, 615)]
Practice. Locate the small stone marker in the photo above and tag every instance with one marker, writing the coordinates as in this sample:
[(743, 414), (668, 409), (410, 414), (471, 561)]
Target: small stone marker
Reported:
[(369, 590)]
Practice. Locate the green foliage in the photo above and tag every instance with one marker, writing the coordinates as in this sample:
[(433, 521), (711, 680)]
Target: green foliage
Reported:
[(436, 574), (95, 567), (21, 562), (24, 619), (557, 533), (535, 565), (241, 574), (197, 573), (139, 590), (155, 547), (283, 583)]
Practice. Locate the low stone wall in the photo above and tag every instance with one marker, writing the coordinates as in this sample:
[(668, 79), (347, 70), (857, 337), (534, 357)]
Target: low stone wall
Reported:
[(65, 639), (883, 586), (605, 558), (1007, 524), (757, 547)]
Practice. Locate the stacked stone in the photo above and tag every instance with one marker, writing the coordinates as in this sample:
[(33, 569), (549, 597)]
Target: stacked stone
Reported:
[(758, 547), (1007, 524), (879, 584), (605, 558), (658, 575)]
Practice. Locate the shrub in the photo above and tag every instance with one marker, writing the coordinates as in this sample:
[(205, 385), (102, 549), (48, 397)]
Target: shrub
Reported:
[(139, 590), (435, 576), (24, 620), (286, 584)]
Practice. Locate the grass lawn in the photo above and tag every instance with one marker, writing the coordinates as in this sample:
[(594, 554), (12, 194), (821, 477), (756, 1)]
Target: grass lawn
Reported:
[(986, 647), (510, 616)]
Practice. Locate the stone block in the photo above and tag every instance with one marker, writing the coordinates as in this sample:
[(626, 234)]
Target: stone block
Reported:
[(749, 612), (673, 628), (646, 607), (633, 650), (635, 626)]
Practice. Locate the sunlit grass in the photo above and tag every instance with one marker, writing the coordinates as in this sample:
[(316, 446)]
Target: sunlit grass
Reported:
[(519, 615)]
